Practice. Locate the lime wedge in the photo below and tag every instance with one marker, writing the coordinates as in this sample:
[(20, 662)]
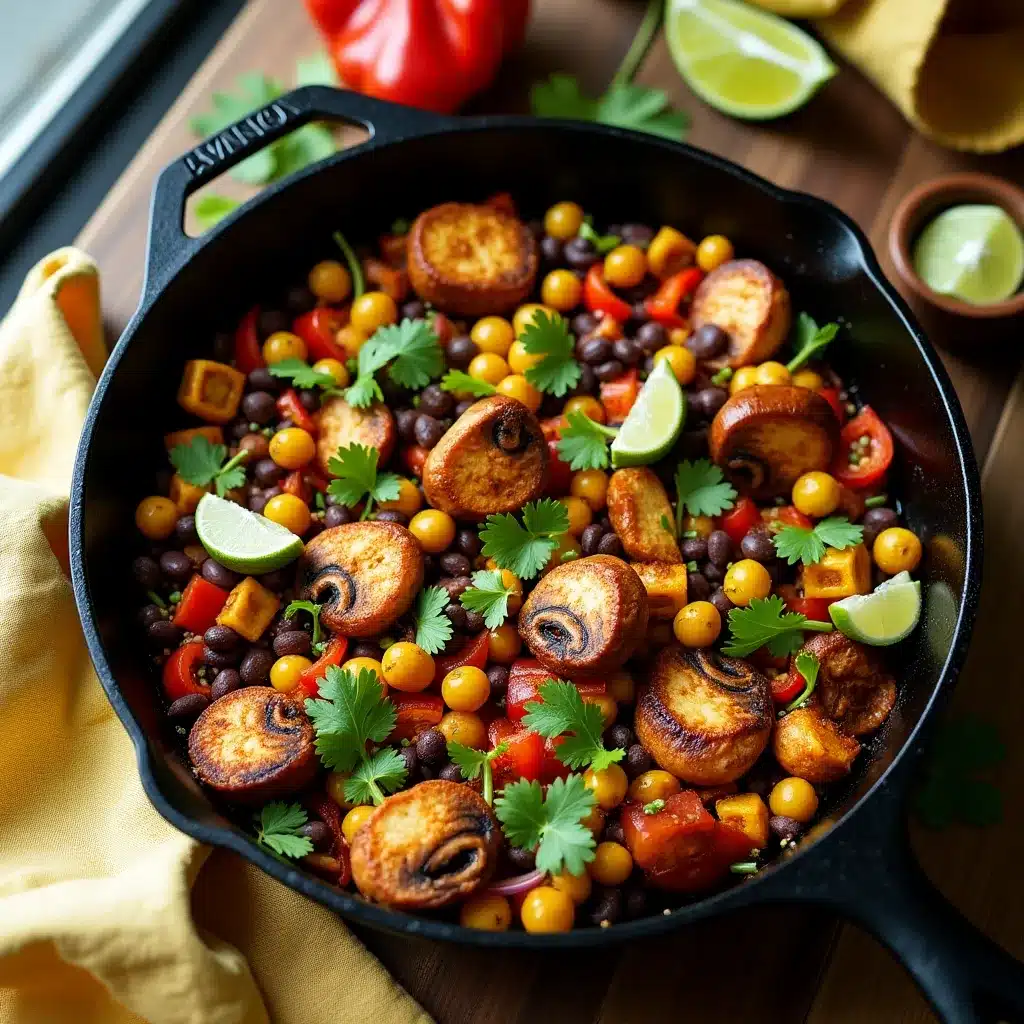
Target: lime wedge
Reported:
[(654, 422), (242, 540), (744, 61), (973, 252), (883, 617)]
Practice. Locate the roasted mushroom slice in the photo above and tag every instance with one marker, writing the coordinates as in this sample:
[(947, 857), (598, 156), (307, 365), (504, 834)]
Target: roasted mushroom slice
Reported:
[(340, 424), (426, 846), (704, 717), (253, 745), (750, 304), (766, 436), (639, 508), (853, 688), (809, 745), (471, 260), (364, 576), (585, 616), (493, 459)]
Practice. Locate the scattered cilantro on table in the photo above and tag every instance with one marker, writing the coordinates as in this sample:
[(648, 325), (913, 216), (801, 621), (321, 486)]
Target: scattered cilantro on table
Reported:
[(766, 623), (472, 762), (278, 827), (807, 543), (810, 340), (433, 627), (701, 490), (562, 710), (488, 595), (456, 380), (548, 335), (201, 462), (584, 443), (413, 351), (355, 471), (212, 207), (524, 548), (314, 610), (301, 374)]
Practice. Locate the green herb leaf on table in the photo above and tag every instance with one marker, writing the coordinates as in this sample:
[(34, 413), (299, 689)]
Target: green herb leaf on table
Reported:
[(602, 243), (584, 443), (766, 623), (472, 762), (433, 627), (548, 335), (810, 340), (562, 710), (278, 826), (807, 544), (301, 374), (701, 490), (212, 207), (355, 470), (316, 69), (524, 548), (488, 595), (201, 463), (314, 610), (807, 665), (456, 380), (553, 826)]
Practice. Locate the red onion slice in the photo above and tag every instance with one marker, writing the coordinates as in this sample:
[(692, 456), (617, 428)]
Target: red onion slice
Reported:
[(518, 884)]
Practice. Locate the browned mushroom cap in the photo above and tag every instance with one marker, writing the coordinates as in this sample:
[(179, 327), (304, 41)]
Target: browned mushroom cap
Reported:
[(809, 745), (340, 424), (364, 575), (426, 847), (253, 745), (585, 616), (493, 459), (766, 436), (704, 717), (853, 689)]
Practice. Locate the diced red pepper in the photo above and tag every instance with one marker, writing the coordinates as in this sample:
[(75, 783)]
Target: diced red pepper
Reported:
[(663, 305), (443, 327), (813, 607), (787, 687), (290, 407), (317, 329), (777, 517), (599, 298), (248, 353), (334, 654), (413, 456), (831, 395), (525, 754), (876, 458), (525, 678), (179, 676), (323, 807), (472, 651), (559, 472), (618, 396), (294, 483), (200, 605), (740, 519), (552, 428), (417, 712), (391, 281), (551, 768)]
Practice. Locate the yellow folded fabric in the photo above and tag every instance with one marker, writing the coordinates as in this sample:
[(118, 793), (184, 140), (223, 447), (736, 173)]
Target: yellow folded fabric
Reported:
[(107, 914), (955, 68)]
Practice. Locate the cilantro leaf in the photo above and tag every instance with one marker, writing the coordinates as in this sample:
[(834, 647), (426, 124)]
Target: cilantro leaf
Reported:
[(701, 490), (488, 595), (552, 826), (807, 665), (301, 374), (602, 243), (764, 622), (547, 335), (211, 208), (374, 355), (562, 710), (810, 340), (414, 352), (807, 544), (378, 773), (306, 606), (433, 627), (456, 380), (278, 829), (199, 463), (472, 762), (355, 471), (584, 443), (525, 548)]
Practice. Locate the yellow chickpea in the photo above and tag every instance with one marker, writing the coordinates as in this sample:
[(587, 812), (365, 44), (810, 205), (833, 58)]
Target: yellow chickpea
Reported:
[(697, 624), (794, 798), (524, 315), (464, 727), (407, 667), (519, 360), (335, 786), (516, 386), (489, 367), (364, 664), (292, 448), (493, 334), (625, 266), (612, 864), (330, 281), (771, 373), (622, 687), (434, 529), (546, 909), (713, 251), (808, 379), (586, 404), (284, 345), (372, 310), (580, 514), (408, 502), (816, 494), (745, 377), (288, 511), (286, 672), (897, 550), (609, 786), (567, 547), (156, 517), (576, 887), (669, 252), (335, 369), (561, 290), (563, 220), (703, 526), (466, 688), (681, 361), (513, 583), (609, 709), (594, 821), (504, 644), (488, 912), (592, 486), (746, 580), (351, 339), (355, 820), (653, 785)]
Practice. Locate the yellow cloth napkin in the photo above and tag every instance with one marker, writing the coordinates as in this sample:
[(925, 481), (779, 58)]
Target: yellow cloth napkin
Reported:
[(954, 67), (107, 914)]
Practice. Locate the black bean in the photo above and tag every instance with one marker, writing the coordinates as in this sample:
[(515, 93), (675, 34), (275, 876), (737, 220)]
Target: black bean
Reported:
[(451, 773), (185, 530), (295, 641), (189, 707), (498, 676), (461, 351), (237, 429), (221, 659), (620, 735), (638, 316), (708, 341), (278, 579), (784, 828), (583, 324), (605, 906), (366, 649), (270, 321), (224, 682), (639, 235), (310, 399), (455, 565), (150, 613), (474, 622), (590, 538), (610, 370), (468, 542), (594, 351), (634, 903), (258, 502), (580, 253), (431, 569), (613, 833), (405, 422), (638, 761), (875, 521), (758, 546), (337, 515), (435, 402), (261, 379), (267, 472), (627, 352), (708, 401), (456, 616), (319, 834), (604, 522), (720, 548), (408, 755), (299, 299), (390, 515), (651, 336), (255, 667), (551, 251), (414, 309), (587, 383), (610, 545), (259, 407), (428, 431), (697, 587), (712, 573), (221, 638), (463, 407), (694, 549), (285, 424), (176, 566), (521, 861), (146, 572), (721, 602), (164, 633), (456, 585)]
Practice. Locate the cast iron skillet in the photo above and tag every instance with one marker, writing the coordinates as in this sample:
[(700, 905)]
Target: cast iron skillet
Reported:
[(861, 865)]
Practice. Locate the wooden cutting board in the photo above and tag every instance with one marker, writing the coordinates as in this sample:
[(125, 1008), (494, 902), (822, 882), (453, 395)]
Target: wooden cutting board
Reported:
[(849, 146)]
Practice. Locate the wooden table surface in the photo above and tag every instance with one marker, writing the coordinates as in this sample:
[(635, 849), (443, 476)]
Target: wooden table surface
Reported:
[(782, 964)]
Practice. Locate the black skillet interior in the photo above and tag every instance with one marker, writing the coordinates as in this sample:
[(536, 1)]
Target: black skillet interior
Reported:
[(196, 287)]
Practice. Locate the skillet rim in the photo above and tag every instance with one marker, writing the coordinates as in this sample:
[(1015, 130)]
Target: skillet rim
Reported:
[(767, 885)]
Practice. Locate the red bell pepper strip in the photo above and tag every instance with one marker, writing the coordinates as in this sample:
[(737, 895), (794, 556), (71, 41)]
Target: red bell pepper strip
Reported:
[(874, 459), (599, 298), (524, 681), (619, 395), (831, 395), (199, 606), (290, 407), (524, 756), (740, 519), (472, 651), (334, 654), (663, 305), (179, 677), (317, 329), (813, 607), (417, 712), (787, 687), (248, 353), (323, 807), (779, 516)]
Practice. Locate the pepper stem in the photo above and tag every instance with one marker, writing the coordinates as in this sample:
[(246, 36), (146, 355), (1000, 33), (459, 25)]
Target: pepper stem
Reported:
[(648, 29)]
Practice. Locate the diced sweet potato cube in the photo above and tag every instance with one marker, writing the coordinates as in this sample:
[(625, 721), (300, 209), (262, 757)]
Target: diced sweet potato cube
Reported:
[(215, 435), (185, 495), (666, 587), (211, 390), (249, 610), (840, 573), (746, 812)]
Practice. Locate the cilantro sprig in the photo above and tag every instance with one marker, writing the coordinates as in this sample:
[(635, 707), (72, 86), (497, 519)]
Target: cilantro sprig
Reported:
[(456, 380), (472, 762), (548, 335), (602, 243), (201, 463), (355, 266), (584, 443), (562, 710), (313, 608), (807, 665), (766, 623), (524, 548), (488, 595), (301, 374), (810, 340), (701, 490), (807, 544), (278, 827), (551, 825), (355, 470), (410, 350), (433, 627), (350, 714)]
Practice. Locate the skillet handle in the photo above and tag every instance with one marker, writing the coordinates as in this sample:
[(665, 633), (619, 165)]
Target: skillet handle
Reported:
[(169, 247)]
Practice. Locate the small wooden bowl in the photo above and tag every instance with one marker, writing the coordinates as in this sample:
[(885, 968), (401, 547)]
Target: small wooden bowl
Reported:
[(932, 197)]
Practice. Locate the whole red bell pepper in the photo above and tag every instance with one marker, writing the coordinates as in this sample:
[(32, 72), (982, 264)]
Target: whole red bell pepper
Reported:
[(317, 329), (417, 712), (248, 353), (179, 676), (599, 298), (309, 681), (432, 54), (199, 606), (290, 407), (663, 305)]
